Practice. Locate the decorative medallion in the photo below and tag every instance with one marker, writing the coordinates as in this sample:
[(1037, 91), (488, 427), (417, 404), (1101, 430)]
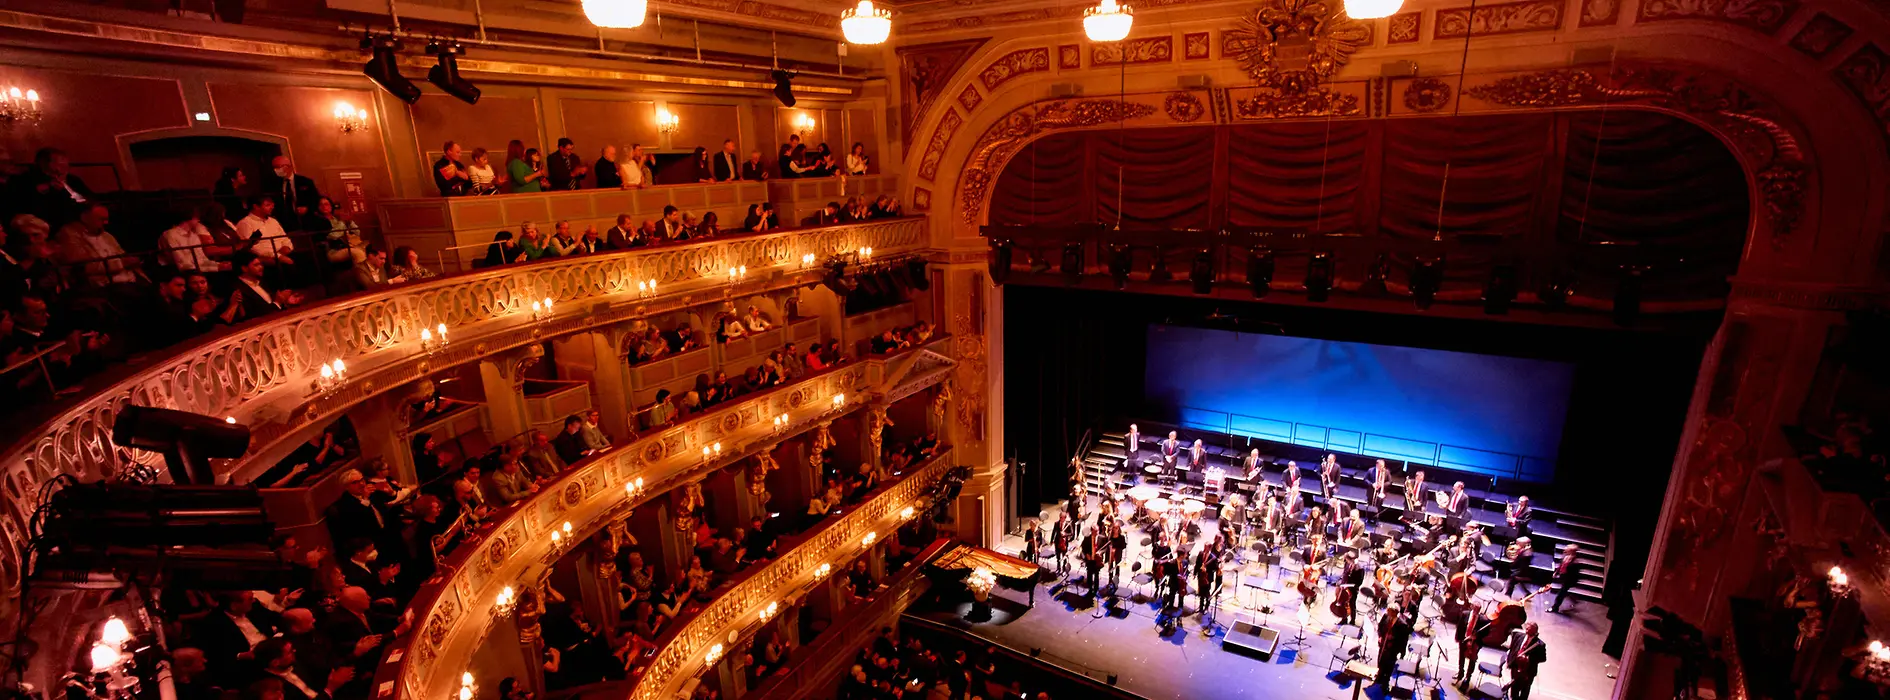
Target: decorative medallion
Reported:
[(925, 70), (970, 98), (1183, 107), (1600, 13), (1196, 46), (1820, 35), (1425, 95), (573, 495), (654, 452), (1295, 45), (1003, 138), (1762, 15), (731, 422), (1069, 57), (1154, 49), (496, 552), (800, 397), (1014, 64), (1404, 28), (1501, 18), (941, 138), (921, 199)]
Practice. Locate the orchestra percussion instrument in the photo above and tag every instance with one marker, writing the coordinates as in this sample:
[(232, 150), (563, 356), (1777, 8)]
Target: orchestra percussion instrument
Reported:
[(1144, 492), (1158, 506), (1193, 507)]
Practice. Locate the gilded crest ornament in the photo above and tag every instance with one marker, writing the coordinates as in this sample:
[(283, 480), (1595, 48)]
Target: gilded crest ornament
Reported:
[(1183, 107), (1295, 45), (1426, 95)]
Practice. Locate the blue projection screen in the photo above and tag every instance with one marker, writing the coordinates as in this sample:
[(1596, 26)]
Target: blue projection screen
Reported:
[(1484, 413)]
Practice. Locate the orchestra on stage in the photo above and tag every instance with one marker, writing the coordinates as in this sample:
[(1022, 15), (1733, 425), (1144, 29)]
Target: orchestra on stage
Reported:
[(1405, 558)]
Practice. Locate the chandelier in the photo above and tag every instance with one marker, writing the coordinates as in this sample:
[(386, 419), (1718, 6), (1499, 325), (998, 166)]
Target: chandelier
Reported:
[(615, 14), (1371, 9), (1107, 21), (866, 24), (17, 107)]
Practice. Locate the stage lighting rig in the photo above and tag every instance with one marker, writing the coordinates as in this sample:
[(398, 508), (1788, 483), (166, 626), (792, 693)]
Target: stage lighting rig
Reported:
[(1375, 276), (1201, 272), (1499, 290), (1260, 270), (445, 74), (1158, 265), (1319, 276), (188, 441), (999, 260), (1427, 276), (1120, 258), (383, 67), (1072, 264)]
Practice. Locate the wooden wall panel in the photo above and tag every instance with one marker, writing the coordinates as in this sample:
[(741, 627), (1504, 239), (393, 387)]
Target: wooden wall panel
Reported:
[(705, 125), (492, 123), (861, 128), (305, 117), (621, 123), (87, 115)]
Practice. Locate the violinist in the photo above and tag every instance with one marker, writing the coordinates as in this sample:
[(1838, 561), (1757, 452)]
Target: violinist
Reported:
[(1471, 626), (1518, 515), (1062, 536), (1380, 481), (1329, 478), (1526, 654), (1033, 541)]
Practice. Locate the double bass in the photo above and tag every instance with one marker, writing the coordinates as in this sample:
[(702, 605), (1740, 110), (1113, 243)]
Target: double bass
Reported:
[(1507, 617), (1309, 584)]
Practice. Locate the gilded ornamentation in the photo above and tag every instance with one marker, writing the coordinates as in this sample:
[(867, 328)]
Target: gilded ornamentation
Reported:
[(758, 475), (530, 608), (1196, 46), (1820, 35), (1271, 104), (970, 98), (925, 71), (941, 138), (1003, 139), (1183, 107), (1295, 45), (921, 199), (1425, 95), (968, 350), (1154, 49), (1013, 64), (1069, 57), (876, 424), (1600, 13), (688, 500), (1762, 15), (941, 400), (573, 494), (1404, 28), (1719, 104), (1501, 18)]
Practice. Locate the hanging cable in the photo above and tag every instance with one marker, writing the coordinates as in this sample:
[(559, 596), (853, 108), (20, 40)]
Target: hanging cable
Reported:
[(1601, 129), (1456, 108), (1325, 156), (1122, 125)]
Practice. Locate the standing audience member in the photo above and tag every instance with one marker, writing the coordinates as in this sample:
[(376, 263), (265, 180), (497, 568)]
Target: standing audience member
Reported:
[(727, 163), (228, 191), (753, 168), (450, 175), (565, 171), (481, 174), (857, 161), (522, 168), (609, 176), (639, 170), (295, 194)]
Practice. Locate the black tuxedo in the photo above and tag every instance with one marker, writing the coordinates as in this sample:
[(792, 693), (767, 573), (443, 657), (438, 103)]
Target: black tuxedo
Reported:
[(254, 305), (349, 518)]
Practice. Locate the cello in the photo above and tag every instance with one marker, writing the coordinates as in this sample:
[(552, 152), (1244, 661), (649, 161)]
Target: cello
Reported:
[(1507, 617)]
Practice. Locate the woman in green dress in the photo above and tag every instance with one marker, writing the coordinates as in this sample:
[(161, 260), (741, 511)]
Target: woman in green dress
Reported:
[(525, 167)]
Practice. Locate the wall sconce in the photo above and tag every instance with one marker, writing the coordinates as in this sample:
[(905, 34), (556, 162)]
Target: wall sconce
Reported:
[(230, 419), (348, 119), (331, 377), (737, 274), (646, 289), (541, 310), (711, 451), (803, 123), (714, 655), (768, 612), (866, 253), (781, 422), (466, 688), (868, 540), (105, 658), (505, 603), (1839, 582), (807, 261), (839, 400), (667, 121), (822, 572), (561, 537), (907, 513), (17, 107), (432, 341), (634, 488)]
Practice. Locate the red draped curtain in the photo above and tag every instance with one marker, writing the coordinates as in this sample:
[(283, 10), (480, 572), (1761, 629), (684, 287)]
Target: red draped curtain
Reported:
[(1158, 177), (1275, 175), (1046, 183)]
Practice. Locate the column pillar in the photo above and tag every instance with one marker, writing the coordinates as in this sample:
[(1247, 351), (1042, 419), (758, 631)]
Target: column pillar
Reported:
[(381, 425), (596, 593), (500, 377)]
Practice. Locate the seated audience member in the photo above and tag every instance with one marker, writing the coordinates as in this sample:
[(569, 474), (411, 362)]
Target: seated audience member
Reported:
[(755, 221), (755, 322), (857, 161), (753, 168), (793, 363), (532, 241), (255, 296), (624, 235), (590, 242), (511, 483), (592, 434), (815, 360), (236, 626), (450, 176), (659, 413), (561, 243), (758, 543), (482, 178), (406, 265), (502, 251), (732, 328), (265, 235), (570, 441), (190, 246), (278, 679), (341, 239), (87, 244), (826, 216), (371, 273), (175, 316), (709, 227), (670, 228), (683, 339), (539, 456)]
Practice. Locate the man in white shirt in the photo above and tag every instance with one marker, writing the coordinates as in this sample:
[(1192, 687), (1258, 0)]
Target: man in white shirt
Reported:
[(184, 243), (274, 245), (756, 323), (86, 242), (636, 169)]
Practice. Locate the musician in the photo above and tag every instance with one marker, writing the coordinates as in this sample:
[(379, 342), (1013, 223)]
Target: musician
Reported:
[(1197, 456), (1515, 560), (1079, 496), (1567, 571), (1233, 515), (1207, 572), (1341, 511), (1351, 530), (1471, 626), (1394, 633), (1171, 449), (1033, 541), (1135, 439), (1351, 579), (1290, 482), (1315, 551), (1463, 555), (1414, 497), (1380, 481), (1433, 533), (1177, 592), (1329, 478), (1458, 507), (1062, 536), (1094, 545), (1316, 522), (1118, 545), (1272, 518), (1527, 653), (1251, 468), (1309, 586), (1519, 514)]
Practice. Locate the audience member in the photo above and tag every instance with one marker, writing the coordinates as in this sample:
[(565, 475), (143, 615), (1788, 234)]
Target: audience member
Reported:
[(640, 170), (295, 194), (502, 251), (228, 190), (449, 175), (255, 296), (753, 168), (727, 163), (48, 190), (609, 176), (561, 243), (189, 245), (406, 265), (265, 235), (565, 171), (522, 168), (481, 176), (84, 242), (857, 161)]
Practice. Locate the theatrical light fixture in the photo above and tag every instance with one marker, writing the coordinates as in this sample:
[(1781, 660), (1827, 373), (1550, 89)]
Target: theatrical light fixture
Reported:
[(349, 119), (1372, 9), (1260, 270), (19, 106), (1500, 290), (1376, 276), (1201, 271), (784, 90), (188, 441), (1627, 295), (383, 67), (1000, 261), (865, 24), (1107, 21), (1427, 276), (1319, 276), (445, 74), (1158, 265), (616, 14), (1555, 294), (1072, 264), (115, 632), (667, 121), (1120, 259)]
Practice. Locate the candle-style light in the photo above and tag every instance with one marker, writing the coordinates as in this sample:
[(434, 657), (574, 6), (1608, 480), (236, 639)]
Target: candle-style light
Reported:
[(331, 376), (505, 603), (839, 400), (350, 119), (19, 106)]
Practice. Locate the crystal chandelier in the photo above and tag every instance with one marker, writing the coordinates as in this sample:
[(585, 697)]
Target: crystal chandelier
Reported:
[(1371, 9), (1107, 21), (19, 107), (615, 14), (866, 24)]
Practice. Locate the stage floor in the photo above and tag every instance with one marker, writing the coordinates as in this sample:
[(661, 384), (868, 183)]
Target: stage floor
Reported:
[(1127, 643)]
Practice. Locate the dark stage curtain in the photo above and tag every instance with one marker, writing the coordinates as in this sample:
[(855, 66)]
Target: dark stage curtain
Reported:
[(1048, 182), (1166, 176), (1496, 170), (1274, 175)]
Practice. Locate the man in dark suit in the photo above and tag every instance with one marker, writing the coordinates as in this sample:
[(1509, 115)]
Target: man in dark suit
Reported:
[(276, 658), (624, 235), (727, 165), (355, 634), (228, 633), (753, 168), (295, 194), (255, 296), (48, 190), (1394, 633), (354, 517), (1527, 653), (1567, 572), (826, 216), (570, 441)]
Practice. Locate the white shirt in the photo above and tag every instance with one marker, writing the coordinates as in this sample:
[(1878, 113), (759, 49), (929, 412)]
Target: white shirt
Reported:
[(250, 633), (757, 324), (856, 165), (481, 175), (632, 174), (182, 241), (290, 678), (100, 246), (259, 289), (275, 242)]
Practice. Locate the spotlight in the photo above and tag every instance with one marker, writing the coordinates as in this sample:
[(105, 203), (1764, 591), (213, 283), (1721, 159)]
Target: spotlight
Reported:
[(1158, 265), (1375, 276), (383, 67), (1260, 270), (1319, 276), (1072, 264), (915, 268), (1038, 264), (188, 441), (1500, 290), (1627, 295), (1119, 261), (783, 87), (445, 75), (1000, 261), (1426, 278), (1201, 273), (1555, 294)]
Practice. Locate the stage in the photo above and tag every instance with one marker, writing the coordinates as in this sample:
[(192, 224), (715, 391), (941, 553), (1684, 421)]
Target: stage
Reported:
[(1124, 641)]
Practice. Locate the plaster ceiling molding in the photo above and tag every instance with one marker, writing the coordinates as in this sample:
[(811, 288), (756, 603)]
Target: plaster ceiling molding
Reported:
[(1002, 140), (970, 98), (924, 72), (1013, 65), (1154, 49), (1291, 48), (1069, 57), (1197, 46), (1408, 27), (1867, 74), (1760, 15), (1820, 35), (1600, 13), (1502, 18), (941, 139)]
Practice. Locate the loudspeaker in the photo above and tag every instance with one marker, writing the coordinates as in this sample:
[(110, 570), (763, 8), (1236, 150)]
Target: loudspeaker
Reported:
[(1398, 69), (1248, 639)]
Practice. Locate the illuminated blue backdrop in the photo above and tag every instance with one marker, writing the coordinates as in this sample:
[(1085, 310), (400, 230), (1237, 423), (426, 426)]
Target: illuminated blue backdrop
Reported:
[(1485, 413)]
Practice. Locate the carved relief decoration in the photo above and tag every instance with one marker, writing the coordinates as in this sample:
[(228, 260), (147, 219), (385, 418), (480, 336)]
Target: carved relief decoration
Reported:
[(1270, 104), (999, 142), (688, 500), (1599, 13), (970, 98), (1295, 45), (876, 424), (1425, 95), (1154, 49), (921, 199), (1820, 35), (758, 475), (925, 70), (1764, 144), (1763, 15), (1183, 107), (941, 138), (969, 351), (823, 439), (1013, 64), (1404, 28), (771, 11), (1502, 18), (942, 399), (1196, 46), (1069, 57)]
